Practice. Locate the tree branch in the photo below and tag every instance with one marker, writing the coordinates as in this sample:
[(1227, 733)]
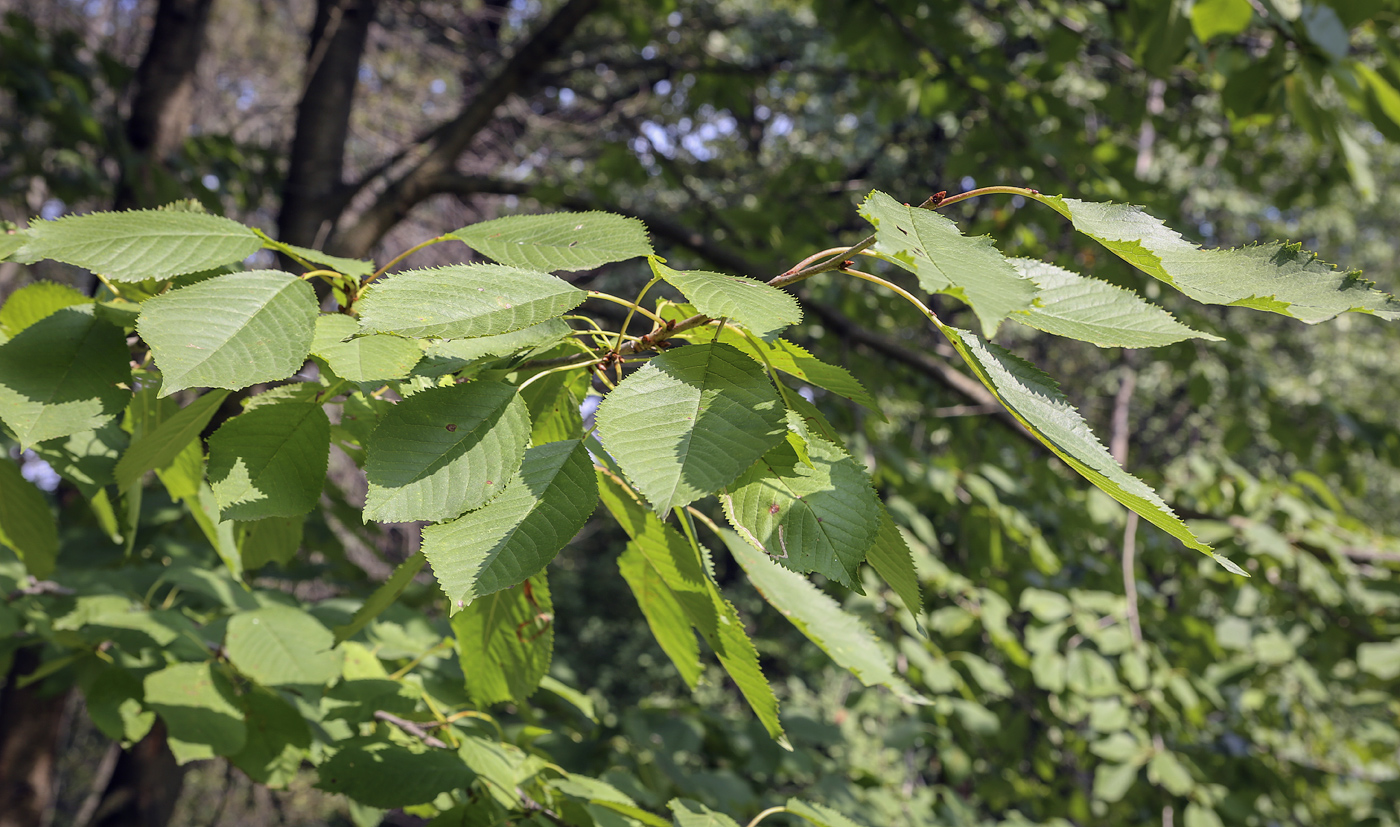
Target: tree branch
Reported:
[(1118, 447)]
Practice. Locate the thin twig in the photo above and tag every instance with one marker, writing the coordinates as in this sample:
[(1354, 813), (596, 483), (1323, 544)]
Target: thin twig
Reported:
[(1118, 447), (411, 728)]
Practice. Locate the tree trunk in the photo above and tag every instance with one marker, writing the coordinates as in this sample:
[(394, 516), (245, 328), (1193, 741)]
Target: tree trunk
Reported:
[(144, 787), (29, 723)]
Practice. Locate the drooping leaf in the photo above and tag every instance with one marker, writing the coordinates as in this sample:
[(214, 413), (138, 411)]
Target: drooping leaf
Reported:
[(558, 241), (946, 261), (842, 636), (277, 739), (687, 813), (140, 244), (348, 266), (1035, 400), (382, 598), (506, 641), (674, 563), (818, 518), (794, 360), (270, 461), (387, 775), (26, 525), (890, 557), (444, 451), (465, 301), (689, 422), (763, 309), (29, 304), (66, 373), (1281, 278), (199, 709), (88, 459), (231, 331), (554, 408), (819, 815), (159, 447), (282, 646), (663, 612), (515, 536), (1095, 311), (269, 540)]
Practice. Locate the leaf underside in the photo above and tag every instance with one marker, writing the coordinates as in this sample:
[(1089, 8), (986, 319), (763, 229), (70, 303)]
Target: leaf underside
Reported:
[(140, 244), (763, 309), (465, 301), (558, 241)]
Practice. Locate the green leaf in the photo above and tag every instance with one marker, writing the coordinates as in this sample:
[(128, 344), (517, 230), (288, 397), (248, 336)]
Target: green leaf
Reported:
[(158, 448), (199, 710), (675, 563), (348, 266), (141, 244), (1166, 770), (387, 775), (518, 533), (663, 612), (29, 304), (465, 301), (1210, 18), (1281, 278), (687, 813), (382, 598), (66, 373), (819, 815), (231, 331), (26, 525), (554, 409), (10, 241), (1380, 659), (1036, 402), (763, 309), (444, 451), (374, 358), (818, 518), (88, 459), (454, 354), (270, 540), (270, 461), (1095, 311), (282, 646), (795, 361), (506, 641), (946, 261), (889, 555), (690, 422), (842, 636), (113, 701), (1112, 781), (1200, 816), (277, 741), (558, 241)]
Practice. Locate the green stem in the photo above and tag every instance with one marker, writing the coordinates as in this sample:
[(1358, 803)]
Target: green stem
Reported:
[(766, 813), (772, 372), (401, 256), (331, 276), (526, 383), (632, 307), (688, 528), (905, 294), (999, 190)]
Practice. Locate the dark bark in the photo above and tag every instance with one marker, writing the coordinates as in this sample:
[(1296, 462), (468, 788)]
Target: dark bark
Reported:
[(29, 722), (161, 108), (314, 193), (144, 787)]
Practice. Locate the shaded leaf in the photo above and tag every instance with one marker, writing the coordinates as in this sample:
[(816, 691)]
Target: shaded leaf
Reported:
[(282, 646), (140, 244), (269, 540), (158, 448), (277, 740), (88, 459), (687, 813), (198, 707), (270, 461), (819, 815), (387, 775), (506, 641), (558, 241), (374, 358), (26, 525), (663, 612), (33, 302), (889, 555), (465, 301), (348, 266), (382, 598)]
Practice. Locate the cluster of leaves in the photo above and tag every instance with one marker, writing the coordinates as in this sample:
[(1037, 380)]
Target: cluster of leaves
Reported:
[(487, 441)]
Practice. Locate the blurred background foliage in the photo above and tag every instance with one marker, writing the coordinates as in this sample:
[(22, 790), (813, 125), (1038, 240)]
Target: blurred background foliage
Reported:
[(744, 132)]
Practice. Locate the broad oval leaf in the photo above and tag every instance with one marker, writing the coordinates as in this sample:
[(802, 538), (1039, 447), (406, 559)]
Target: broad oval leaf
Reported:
[(270, 461), (506, 642), (141, 244), (1281, 278), (1094, 311), (690, 422), (374, 358), (516, 535), (455, 354), (946, 261), (282, 646), (444, 451), (465, 301), (558, 241), (763, 309), (68, 372), (820, 517), (231, 331), (1036, 402), (33, 302), (198, 707), (387, 775), (26, 525)]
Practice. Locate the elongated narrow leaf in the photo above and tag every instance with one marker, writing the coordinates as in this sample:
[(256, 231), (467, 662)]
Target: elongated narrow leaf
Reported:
[(518, 533), (558, 241), (818, 518), (1281, 278), (282, 646), (946, 261), (842, 636), (270, 461), (348, 266), (663, 612), (689, 422), (444, 451), (199, 709), (375, 358), (383, 597), (465, 301), (141, 244), (794, 360), (1035, 400), (763, 309), (675, 564), (66, 373), (26, 525), (231, 331), (889, 556), (1095, 311), (28, 305), (506, 641), (386, 775), (158, 448)]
